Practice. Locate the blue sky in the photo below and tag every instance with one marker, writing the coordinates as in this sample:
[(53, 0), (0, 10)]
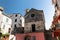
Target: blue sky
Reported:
[(19, 6)]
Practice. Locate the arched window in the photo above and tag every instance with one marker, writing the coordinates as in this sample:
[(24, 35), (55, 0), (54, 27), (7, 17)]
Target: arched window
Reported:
[(27, 37)]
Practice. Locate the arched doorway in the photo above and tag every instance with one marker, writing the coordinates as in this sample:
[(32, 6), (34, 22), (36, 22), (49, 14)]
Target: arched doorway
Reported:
[(27, 37), (33, 27)]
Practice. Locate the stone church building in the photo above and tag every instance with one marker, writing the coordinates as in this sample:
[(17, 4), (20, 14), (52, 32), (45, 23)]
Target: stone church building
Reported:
[(34, 21), (34, 28)]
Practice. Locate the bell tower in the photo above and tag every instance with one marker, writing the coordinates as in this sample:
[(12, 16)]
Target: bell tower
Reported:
[(34, 21)]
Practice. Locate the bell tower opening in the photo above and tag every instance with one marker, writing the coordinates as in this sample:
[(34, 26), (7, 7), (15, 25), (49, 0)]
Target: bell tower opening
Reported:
[(33, 27)]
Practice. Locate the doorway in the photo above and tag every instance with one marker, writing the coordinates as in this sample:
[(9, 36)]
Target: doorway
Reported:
[(33, 27)]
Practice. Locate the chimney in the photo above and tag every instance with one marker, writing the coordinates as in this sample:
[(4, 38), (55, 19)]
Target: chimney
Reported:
[(1, 8)]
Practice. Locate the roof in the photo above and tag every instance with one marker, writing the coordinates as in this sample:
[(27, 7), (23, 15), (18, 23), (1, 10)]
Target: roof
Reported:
[(33, 10)]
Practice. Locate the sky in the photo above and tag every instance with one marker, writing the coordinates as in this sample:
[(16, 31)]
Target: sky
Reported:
[(19, 6)]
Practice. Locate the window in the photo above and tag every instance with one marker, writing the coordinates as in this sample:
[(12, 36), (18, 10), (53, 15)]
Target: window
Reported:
[(33, 38), (32, 15), (15, 26), (15, 20), (3, 26), (9, 30), (16, 15), (7, 20)]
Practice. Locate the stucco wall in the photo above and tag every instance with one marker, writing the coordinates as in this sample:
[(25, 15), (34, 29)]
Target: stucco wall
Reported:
[(38, 35)]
